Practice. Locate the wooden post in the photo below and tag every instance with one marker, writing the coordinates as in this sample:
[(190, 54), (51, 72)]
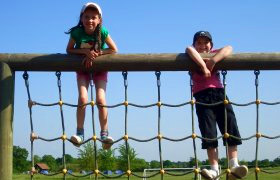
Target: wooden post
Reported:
[(7, 82)]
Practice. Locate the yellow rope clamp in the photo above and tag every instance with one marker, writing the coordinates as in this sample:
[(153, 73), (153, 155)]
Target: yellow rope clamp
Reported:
[(125, 103), (196, 171), (96, 172), (94, 138), (258, 135), (159, 136), (33, 136), (192, 102), (226, 135), (258, 101), (92, 103), (33, 171), (60, 103), (64, 171), (128, 172), (194, 135), (228, 171), (63, 137), (162, 171), (226, 102), (125, 137), (257, 170), (159, 104), (31, 103)]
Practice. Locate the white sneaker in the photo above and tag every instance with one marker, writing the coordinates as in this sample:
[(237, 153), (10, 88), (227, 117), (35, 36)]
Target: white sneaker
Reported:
[(107, 143), (77, 140), (209, 174), (238, 172)]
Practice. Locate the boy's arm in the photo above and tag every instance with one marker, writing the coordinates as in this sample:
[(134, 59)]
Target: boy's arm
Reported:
[(220, 55), (195, 56)]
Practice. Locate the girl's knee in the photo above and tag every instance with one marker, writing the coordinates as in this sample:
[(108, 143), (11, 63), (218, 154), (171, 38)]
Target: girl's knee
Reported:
[(83, 100), (101, 100)]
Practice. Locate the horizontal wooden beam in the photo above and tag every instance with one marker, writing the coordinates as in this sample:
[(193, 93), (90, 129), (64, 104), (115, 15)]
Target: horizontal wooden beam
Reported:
[(137, 62)]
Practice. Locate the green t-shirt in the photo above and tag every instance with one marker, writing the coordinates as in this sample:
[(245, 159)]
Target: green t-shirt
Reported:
[(83, 40)]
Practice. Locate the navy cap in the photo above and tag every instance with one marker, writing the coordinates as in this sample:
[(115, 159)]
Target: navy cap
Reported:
[(202, 34)]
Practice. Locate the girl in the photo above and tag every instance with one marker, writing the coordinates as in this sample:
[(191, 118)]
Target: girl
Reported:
[(209, 89), (88, 38)]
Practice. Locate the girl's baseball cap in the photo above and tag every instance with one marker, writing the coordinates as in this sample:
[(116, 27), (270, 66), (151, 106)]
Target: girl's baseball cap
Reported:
[(91, 4), (202, 34)]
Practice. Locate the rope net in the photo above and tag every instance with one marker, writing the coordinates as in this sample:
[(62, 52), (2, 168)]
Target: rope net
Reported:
[(162, 171)]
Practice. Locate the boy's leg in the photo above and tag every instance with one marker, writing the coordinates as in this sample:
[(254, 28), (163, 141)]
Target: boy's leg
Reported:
[(237, 171), (213, 160)]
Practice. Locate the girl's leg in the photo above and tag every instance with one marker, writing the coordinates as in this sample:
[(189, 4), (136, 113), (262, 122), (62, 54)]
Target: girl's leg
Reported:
[(100, 88), (82, 99), (83, 83)]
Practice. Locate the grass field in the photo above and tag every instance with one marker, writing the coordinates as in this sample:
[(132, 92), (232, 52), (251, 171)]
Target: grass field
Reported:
[(251, 176)]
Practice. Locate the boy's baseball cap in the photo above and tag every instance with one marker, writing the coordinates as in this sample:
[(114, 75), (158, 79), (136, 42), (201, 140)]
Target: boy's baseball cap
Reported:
[(202, 34), (91, 4)]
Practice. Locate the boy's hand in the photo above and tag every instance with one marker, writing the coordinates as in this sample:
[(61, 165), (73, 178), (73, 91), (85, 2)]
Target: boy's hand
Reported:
[(210, 63), (206, 72)]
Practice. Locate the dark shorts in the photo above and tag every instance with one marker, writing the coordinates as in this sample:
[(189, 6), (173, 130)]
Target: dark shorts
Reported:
[(209, 116)]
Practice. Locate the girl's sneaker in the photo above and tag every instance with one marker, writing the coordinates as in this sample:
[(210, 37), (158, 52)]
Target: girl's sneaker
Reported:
[(78, 139), (107, 141)]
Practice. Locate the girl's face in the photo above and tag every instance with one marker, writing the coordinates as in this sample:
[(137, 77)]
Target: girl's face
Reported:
[(203, 45), (90, 20)]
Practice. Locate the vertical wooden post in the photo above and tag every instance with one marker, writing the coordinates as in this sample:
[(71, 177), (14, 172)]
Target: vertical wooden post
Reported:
[(7, 84)]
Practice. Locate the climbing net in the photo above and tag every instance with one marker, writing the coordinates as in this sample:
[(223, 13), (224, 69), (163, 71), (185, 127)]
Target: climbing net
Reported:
[(162, 171)]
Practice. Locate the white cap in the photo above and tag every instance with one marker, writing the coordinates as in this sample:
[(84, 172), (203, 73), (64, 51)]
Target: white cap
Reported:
[(91, 4)]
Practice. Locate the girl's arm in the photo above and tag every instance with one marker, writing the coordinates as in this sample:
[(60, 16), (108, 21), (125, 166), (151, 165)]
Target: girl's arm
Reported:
[(71, 50), (220, 55), (112, 48), (198, 60)]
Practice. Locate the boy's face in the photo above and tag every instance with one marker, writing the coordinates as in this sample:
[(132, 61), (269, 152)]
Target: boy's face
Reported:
[(203, 45)]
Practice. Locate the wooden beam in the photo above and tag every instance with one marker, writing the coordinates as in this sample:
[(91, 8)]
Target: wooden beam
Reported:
[(137, 62)]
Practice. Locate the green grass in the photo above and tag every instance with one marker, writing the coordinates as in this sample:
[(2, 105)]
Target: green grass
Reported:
[(251, 176)]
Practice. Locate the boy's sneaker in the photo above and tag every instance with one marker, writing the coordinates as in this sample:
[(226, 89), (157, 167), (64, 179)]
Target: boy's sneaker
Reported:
[(107, 141), (238, 172), (209, 174), (78, 139)]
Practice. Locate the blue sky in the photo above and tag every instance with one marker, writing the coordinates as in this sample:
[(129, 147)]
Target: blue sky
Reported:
[(38, 26)]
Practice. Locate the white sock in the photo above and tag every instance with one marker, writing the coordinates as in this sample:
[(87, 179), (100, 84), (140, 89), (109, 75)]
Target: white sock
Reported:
[(215, 168), (233, 163)]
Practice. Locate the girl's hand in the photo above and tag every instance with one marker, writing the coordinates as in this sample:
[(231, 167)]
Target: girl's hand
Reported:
[(87, 62), (91, 54)]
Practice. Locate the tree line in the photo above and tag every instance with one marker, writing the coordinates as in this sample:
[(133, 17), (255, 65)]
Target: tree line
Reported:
[(108, 160)]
